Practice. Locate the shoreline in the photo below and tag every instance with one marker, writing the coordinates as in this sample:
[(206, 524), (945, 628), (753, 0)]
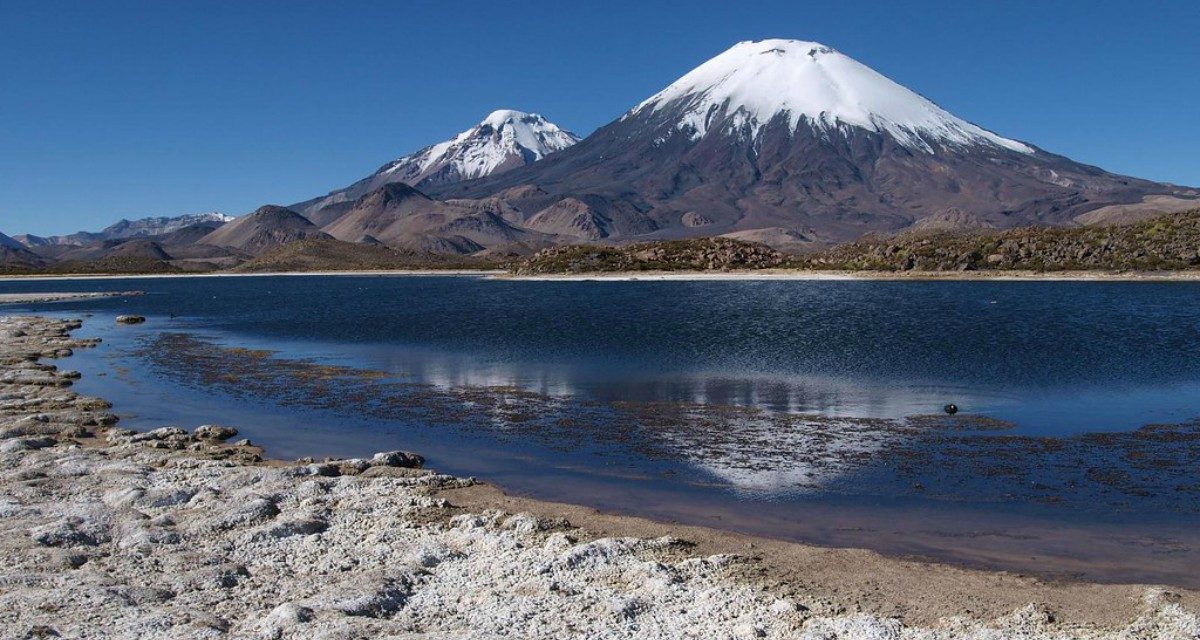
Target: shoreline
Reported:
[(874, 582), (667, 276), (42, 298), (815, 275), (325, 511), (229, 274)]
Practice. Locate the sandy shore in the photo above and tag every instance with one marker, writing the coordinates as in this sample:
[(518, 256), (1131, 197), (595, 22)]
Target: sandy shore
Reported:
[(107, 533)]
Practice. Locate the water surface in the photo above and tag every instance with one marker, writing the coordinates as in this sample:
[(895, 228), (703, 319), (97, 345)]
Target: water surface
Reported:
[(776, 407)]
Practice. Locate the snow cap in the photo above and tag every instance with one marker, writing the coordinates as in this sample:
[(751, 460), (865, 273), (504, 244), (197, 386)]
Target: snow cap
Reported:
[(754, 82)]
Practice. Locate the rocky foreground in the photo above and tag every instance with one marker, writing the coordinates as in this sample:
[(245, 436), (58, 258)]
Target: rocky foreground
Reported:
[(107, 533)]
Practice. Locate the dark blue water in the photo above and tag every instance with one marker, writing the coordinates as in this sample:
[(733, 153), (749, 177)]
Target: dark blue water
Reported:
[(1051, 356), (632, 364)]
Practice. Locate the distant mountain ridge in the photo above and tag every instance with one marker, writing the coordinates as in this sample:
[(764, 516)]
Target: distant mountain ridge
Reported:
[(14, 255), (143, 227), (158, 226)]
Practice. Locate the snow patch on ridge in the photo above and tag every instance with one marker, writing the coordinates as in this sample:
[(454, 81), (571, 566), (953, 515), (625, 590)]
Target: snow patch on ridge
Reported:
[(754, 82), (502, 137)]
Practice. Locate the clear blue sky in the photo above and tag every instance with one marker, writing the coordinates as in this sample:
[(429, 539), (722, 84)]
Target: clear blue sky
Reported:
[(127, 109)]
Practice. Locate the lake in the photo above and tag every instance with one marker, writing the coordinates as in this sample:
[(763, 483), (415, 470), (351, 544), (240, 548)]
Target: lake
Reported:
[(805, 410)]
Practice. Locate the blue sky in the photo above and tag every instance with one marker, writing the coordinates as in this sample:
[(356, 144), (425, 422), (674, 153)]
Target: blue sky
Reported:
[(128, 109)]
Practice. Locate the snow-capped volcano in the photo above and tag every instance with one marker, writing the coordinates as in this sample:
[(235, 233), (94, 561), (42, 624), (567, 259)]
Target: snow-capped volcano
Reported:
[(504, 140), (753, 83), (791, 139)]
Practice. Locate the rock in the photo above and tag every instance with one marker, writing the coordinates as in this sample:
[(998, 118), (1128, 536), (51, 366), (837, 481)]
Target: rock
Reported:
[(325, 469), (749, 631), (119, 435), (162, 433), (73, 431), (130, 319), (71, 531), (282, 619), (784, 606), (101, 419), (26, 444), (138, 596), (255, 510), (220, 576), (397, 459), (214, 432), (296, 526), (143, 536), (123, 497), (352, 466), (371, 595), (168, 497)]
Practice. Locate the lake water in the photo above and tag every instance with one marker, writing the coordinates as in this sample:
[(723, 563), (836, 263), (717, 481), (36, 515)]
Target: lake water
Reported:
[(807, 410)]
